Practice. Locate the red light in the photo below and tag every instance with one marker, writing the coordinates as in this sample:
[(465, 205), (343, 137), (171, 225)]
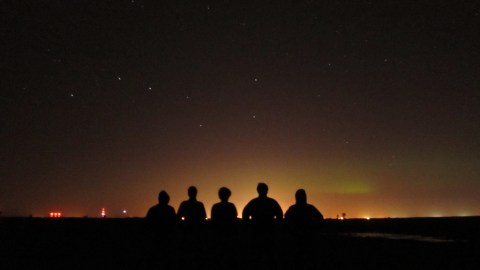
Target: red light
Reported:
[(55, 214)]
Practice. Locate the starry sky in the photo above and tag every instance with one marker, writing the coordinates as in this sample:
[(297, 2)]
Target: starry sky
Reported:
[(372, 106)]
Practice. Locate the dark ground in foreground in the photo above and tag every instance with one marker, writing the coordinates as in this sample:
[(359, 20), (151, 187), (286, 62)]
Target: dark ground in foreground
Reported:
[(36, 243)]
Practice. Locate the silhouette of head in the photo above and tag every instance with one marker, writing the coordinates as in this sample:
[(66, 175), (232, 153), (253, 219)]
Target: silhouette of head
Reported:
[(301, 196), (163, 197), (224, 193), (262, 189), (192, 192)]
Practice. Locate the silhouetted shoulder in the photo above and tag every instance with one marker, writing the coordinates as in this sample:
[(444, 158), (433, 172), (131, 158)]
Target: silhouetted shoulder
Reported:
[(182, 207), (250, 208), (303, 213), (160, 211), (192, 211), (262, 209), (161, 215), (224, 211)]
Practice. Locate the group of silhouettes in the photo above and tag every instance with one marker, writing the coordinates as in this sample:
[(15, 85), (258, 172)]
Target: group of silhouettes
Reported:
[(261, 211)]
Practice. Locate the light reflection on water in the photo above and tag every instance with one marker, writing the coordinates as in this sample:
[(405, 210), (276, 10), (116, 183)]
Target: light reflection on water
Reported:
[(401, 237)]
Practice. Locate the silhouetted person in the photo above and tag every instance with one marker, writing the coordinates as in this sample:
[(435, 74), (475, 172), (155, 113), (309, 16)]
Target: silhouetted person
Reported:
[(161, 219), (192, 211), (300, 219), (301, 213), (262, 213), (192, 240), (224, 212), (262, 210), (225, 237), (162, 214)]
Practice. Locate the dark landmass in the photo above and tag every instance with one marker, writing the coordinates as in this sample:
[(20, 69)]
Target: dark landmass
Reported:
[(85, 243)]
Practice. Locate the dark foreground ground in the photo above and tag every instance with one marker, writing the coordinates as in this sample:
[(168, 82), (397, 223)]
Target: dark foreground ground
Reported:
[(36, 243)]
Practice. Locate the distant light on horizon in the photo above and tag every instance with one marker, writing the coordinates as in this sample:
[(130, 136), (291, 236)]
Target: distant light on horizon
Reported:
[(55, 214)]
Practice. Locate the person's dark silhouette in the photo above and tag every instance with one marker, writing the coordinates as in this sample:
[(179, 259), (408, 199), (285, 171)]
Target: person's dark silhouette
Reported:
[(262, 213), (225, 236), (301, 213), (191, 211), (301, 219), (162, 214), (161, 220), (192, 240), (224, 212), (262, 210)]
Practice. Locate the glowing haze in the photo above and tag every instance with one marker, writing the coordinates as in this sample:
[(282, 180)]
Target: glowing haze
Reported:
[(371, 107)]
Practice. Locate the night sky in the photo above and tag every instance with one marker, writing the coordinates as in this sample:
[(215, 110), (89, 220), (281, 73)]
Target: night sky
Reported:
[(373, 107)]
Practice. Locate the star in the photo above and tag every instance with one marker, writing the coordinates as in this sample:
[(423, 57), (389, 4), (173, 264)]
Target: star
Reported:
[(254, 116), (119, 78), (255, 79), (71, 94)]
